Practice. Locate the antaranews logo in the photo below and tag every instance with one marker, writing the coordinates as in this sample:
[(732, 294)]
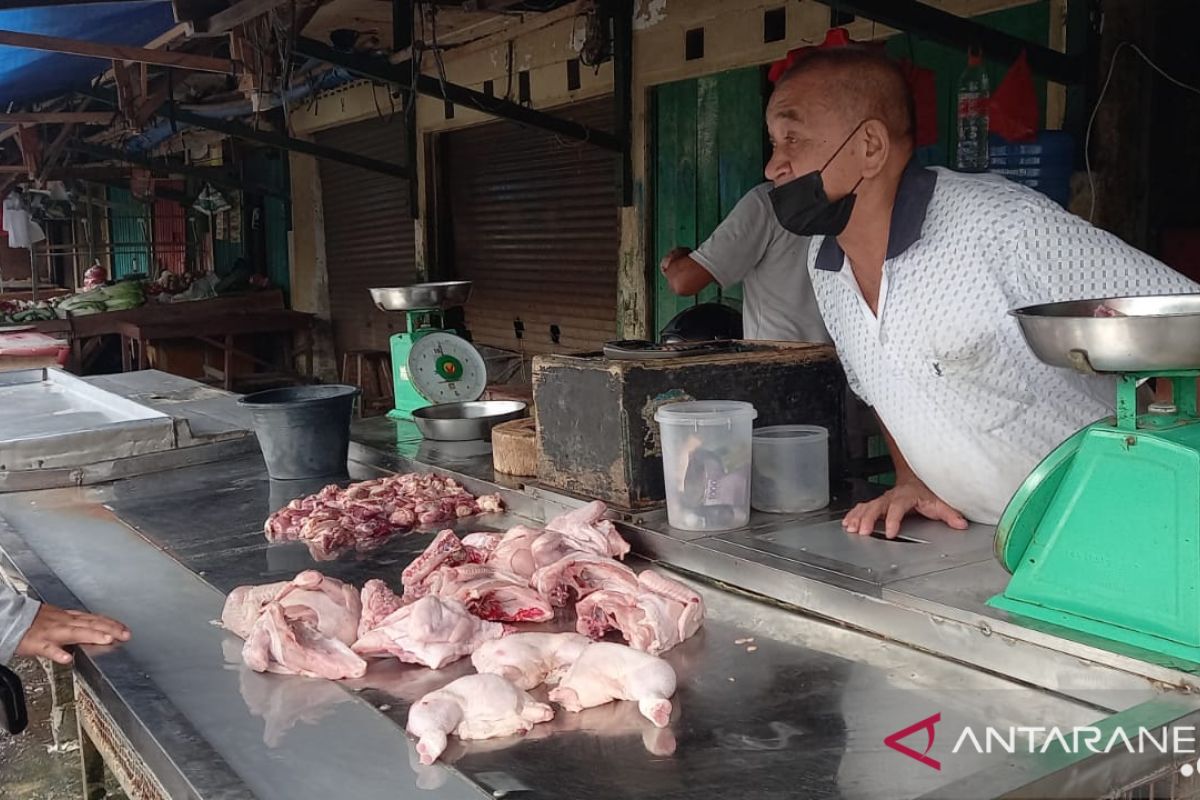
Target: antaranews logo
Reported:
[(1175, 740), (927, 725)]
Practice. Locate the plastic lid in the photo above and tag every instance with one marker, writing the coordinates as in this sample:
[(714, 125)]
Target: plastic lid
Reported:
[(704, 412), (786, 433)]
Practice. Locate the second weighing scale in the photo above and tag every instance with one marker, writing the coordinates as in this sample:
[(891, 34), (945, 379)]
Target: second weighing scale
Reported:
[(1104, 536), (431, 364)]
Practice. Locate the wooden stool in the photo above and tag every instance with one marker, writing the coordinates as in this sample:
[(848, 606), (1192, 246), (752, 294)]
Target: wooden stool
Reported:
[(370, 371)]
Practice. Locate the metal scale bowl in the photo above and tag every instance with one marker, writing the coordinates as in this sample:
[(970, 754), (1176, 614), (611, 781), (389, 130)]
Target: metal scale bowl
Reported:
[(1103, 537), (430, 364)]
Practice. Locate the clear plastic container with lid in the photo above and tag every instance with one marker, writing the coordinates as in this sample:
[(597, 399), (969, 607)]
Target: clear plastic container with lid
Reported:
[(706, 463), (791, 469)]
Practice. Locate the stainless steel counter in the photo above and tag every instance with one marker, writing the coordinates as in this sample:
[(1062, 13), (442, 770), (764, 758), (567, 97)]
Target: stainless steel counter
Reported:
[(805, 711), (803, 714)]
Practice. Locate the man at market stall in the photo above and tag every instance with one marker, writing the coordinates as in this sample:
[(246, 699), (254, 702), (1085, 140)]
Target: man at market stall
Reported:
[(751, 248), (30, 628), (915, 271)]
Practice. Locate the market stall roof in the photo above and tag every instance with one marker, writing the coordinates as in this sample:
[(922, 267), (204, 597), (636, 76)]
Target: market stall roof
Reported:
[(31, 75)]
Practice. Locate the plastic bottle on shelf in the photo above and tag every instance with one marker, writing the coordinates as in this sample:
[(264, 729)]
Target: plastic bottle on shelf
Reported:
[(972, 114)]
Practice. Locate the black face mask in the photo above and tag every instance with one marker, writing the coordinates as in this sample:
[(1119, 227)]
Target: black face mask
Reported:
[(803, 208)]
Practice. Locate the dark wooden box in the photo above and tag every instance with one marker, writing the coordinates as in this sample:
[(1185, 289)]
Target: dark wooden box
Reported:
[(596, 431)]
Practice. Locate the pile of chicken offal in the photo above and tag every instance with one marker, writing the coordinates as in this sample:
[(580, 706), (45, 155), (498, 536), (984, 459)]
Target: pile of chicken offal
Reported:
[(465, 598)]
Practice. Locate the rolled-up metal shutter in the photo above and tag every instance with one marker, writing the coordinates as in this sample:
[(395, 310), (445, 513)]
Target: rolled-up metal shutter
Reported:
[(535, 226), (368, 232)]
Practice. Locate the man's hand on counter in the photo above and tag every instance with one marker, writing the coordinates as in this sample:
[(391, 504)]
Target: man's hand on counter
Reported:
[(56, 628), (894, 505)]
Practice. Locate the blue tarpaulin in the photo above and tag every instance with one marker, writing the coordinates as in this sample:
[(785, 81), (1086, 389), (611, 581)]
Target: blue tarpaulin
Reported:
[(29, 75)]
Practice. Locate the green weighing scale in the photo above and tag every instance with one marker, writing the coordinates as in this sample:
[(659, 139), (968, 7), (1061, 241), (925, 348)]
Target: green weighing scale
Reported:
[(431, 365), (1104, 536)]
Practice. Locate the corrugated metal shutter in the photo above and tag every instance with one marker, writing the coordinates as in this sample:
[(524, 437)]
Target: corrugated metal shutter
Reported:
[(170, 232), (130, 222), (535, 226), (368, 233)]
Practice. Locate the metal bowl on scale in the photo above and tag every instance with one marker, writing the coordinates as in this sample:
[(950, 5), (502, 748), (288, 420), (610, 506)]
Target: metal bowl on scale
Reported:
[(443, 295), (466, 422), (1155, 333)]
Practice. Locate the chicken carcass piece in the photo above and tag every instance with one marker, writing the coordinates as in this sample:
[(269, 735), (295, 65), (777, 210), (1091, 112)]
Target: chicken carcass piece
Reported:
[(483, 543), (489, 593), (654, 616), (378, 601), (472, 707), (286, 641), (244, 605), (581, 573), (530, 659), (444, 551), (606, 671), (586, 529), (514, 552), (335, 607), (433, 631)]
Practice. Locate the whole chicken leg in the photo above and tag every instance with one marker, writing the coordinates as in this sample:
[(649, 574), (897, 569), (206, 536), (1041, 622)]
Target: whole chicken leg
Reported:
[(472, 707), (529, 659), (606, 671)]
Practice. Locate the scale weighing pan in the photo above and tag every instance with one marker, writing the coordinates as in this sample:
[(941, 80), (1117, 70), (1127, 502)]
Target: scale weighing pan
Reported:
[(1156, 333), (447, 294)]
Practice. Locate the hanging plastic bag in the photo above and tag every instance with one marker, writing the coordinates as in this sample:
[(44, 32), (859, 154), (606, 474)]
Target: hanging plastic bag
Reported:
[(1013, 109)]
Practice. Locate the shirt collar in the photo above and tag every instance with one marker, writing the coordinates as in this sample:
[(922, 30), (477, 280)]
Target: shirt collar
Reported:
[(908, 217)]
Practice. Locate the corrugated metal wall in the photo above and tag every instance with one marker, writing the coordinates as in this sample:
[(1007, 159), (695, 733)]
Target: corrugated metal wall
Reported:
[(368, 233), (271, 169), (170, 233), (130, 223), (535, 226)]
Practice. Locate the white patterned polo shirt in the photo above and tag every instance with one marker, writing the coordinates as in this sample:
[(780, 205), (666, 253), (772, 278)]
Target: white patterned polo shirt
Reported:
[(971, 408)]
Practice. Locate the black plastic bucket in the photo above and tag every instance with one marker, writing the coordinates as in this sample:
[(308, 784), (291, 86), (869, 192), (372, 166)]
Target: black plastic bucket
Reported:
[(304, 431)]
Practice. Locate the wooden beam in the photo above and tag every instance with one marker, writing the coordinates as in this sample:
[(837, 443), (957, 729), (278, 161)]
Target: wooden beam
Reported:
[(237, 14), (74, 117), (116, 52), (162, 40)]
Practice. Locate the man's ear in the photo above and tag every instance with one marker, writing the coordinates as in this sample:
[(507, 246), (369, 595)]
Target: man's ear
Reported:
[(877, 148)]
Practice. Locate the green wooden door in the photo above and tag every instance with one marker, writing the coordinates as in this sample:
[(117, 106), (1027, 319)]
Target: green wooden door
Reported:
[(709, 151)]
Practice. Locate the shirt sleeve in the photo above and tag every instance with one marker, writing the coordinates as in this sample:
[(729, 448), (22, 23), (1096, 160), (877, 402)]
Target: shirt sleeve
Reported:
[(16, 616), (739, 243), (1059, 256)]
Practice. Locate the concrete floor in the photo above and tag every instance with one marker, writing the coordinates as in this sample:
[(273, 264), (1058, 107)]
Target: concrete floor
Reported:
[(35, 767)]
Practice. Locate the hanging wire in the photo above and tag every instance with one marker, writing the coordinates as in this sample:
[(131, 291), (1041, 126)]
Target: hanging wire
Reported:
[(1087, 140)]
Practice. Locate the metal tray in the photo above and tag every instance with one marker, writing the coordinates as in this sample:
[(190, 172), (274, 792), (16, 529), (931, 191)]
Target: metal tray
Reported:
[(1155, 333), (444, 295), (466, 422)]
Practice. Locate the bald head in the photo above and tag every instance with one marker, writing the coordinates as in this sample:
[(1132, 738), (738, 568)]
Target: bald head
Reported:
[(857, 84)]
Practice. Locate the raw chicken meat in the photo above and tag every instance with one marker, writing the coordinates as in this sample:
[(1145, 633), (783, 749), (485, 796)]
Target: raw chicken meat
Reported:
[(286, 641), (530, 659), (332, 607), (444, 551), (433, 631), (606, 671), (484, 542), (245, 604), (335, 518), (488, 593), (581, 573), (514, 554), (472, 707), (654, 616), (378, 601), (586, 529)]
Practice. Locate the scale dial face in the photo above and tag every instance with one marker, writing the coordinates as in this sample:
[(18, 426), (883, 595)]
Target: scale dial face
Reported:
[(445, 368)]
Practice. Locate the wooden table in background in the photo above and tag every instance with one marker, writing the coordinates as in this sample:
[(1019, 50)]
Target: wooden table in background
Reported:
[(220, 330)]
